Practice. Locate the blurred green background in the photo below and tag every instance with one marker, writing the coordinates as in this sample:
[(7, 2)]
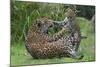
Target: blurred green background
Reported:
[(24, 13)]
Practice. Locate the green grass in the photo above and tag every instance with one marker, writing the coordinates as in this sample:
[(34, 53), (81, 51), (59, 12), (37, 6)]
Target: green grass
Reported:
[(19, 55)]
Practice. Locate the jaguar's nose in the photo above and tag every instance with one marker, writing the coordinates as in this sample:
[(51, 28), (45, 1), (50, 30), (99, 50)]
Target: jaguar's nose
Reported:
[(45, 30)]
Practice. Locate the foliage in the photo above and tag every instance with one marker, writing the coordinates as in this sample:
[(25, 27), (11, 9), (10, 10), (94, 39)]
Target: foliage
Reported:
[(86, 11), (23, 15)]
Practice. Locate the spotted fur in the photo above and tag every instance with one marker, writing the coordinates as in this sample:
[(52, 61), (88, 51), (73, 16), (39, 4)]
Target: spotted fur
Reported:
[(40, 45), (37, 38)]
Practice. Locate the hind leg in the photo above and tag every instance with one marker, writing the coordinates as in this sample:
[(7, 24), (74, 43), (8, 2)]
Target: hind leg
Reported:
[(76, 55), (73, 54)]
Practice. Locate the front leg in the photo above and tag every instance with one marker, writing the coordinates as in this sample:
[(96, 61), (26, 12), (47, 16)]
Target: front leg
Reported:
[(57, 35), (61, 23), (58, 23)]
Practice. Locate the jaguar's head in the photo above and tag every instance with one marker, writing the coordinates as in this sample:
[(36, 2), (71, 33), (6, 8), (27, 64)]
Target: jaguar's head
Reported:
[(44, 24)]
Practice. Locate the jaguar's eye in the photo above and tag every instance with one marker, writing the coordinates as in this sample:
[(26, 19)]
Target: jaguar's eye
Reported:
[(51, 26), (39, 24)]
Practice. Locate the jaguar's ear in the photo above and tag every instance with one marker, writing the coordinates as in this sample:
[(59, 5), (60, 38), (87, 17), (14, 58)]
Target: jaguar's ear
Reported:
[(39, 24)]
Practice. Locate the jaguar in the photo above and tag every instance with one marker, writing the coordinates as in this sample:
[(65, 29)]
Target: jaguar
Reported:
[(40, 45)]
